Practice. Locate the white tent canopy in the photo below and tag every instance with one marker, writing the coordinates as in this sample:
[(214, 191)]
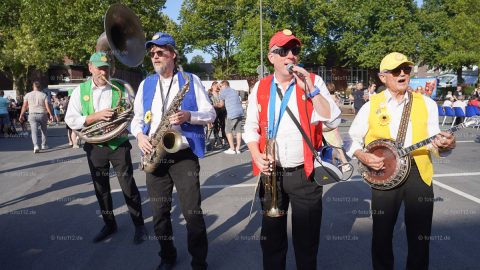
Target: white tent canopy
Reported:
[(239, 85)]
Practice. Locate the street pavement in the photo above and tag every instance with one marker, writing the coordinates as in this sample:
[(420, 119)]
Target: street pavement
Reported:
[(49, 213)]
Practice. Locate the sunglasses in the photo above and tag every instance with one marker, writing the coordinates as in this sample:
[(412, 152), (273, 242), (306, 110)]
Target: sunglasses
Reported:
[(160, 53), (284, 51), (396, 72)]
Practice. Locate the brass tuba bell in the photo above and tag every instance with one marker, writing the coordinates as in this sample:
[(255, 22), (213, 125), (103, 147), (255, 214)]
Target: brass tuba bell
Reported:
[(125, 39)]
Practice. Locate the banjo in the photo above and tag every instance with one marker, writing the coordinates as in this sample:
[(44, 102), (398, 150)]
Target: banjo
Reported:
[(397, 161)]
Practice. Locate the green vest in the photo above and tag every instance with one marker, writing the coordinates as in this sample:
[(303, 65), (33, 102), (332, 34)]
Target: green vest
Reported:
[(86, 98)]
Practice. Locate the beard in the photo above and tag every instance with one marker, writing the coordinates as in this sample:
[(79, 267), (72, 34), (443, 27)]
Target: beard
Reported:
[(160, 68)]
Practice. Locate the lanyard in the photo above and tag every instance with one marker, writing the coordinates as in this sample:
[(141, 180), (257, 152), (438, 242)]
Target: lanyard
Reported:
[(272, 127), (164, 103)]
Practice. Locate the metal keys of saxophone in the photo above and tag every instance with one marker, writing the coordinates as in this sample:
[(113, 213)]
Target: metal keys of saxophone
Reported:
[(165, 139)]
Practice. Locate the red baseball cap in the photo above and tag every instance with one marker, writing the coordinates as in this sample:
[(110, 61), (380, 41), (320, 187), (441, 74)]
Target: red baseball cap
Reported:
[(283, 37)]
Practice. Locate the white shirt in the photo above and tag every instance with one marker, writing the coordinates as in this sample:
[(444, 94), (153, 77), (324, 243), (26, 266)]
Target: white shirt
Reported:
[(447, 103), (102, 99), (460, 104), (289, 139), (205, 114), (359, 127)]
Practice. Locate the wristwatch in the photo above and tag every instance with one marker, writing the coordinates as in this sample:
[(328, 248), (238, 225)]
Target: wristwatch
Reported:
[(314, 93)]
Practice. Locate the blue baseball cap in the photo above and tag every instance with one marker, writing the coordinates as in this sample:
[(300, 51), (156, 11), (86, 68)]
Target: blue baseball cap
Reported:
[(160, 39)]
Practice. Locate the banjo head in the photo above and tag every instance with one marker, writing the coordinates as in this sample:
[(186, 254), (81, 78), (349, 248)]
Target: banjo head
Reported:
[(396, 167)]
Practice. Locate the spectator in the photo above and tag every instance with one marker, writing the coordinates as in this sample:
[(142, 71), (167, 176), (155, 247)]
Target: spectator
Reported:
[(460, 103), (372, 90), (331, 90), (230, 99), (473, 101), (358, 97), (37, 104), (332, 135), (72, 136), (448, 102), (19, 109), (4, 117), (459, 91), (420, 90), (219, 124), (56, 109)]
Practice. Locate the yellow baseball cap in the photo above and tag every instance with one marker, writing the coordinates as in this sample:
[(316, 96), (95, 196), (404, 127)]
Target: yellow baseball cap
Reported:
[(393, 60)]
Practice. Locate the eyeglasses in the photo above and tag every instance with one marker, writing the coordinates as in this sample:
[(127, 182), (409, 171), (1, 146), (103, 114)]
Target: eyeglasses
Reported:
[(284, 51), (160, 53), (396, 72)]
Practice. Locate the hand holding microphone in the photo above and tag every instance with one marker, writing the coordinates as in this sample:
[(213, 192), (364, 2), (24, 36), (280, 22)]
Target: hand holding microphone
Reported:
[(291, 71)]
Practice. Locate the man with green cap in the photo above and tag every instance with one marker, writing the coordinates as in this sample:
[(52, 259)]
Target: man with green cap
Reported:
[(90, 102), (380, 118)]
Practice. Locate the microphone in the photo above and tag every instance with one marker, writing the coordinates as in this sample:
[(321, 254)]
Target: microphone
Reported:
[(290, 70)]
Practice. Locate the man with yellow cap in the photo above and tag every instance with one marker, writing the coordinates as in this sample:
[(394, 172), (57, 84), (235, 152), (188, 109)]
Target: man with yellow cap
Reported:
[(309, 101), (90, 102), (380, 119)]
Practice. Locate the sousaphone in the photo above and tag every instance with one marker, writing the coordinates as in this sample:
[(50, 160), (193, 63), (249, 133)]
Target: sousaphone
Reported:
[(125, 39)]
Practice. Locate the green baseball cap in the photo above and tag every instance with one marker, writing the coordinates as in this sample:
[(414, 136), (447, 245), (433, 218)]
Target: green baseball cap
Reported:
[(100, 59)]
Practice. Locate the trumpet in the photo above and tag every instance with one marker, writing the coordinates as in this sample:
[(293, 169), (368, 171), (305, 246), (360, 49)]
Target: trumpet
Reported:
[(270, 182)]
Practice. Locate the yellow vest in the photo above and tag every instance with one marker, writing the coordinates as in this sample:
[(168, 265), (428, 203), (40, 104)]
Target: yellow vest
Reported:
[(378, 123)]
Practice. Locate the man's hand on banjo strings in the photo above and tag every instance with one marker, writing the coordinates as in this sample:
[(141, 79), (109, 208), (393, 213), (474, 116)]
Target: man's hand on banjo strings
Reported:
[(370, 160)]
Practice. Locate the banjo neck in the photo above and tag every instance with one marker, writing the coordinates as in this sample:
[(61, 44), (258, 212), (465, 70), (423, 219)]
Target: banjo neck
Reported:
[(407, 150)]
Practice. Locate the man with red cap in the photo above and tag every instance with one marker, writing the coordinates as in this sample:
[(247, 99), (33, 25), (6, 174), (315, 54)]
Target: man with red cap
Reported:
[(307, 97)]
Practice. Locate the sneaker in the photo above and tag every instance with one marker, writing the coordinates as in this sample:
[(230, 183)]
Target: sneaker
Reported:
[(75, 146), (230, 152), (44, 147), (36, 150), (238, 151)]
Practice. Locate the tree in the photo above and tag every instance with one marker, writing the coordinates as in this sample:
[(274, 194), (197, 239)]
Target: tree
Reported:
[(197, 59), (364, 31), (306, 19), (454, 31), (209, 26), (59, 29)]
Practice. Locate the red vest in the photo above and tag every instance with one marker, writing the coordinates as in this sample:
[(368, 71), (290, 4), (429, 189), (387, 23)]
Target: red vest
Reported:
[(263, 96)]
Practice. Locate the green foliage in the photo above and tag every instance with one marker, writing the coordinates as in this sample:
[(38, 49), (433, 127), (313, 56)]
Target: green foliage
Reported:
[(197, 59), (37, 33)]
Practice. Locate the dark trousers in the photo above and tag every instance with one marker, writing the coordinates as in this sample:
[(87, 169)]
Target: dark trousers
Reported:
[(305, 197), (219, 124), (418, 199), (99, 159), (181, 170)]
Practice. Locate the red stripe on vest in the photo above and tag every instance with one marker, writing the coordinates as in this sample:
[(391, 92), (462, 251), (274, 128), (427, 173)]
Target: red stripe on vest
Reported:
[(263, 97)]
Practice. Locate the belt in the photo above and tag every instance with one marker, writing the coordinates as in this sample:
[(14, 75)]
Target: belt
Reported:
[(290, 169), (38, 113)]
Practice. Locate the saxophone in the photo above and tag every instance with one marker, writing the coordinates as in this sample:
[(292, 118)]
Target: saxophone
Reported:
[(165, 139)]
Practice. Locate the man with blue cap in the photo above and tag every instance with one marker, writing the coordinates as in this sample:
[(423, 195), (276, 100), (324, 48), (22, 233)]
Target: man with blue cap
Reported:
[(180, 169), (90, 102)]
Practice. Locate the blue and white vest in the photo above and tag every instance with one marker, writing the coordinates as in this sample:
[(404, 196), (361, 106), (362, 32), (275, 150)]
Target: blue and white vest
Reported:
[(194, 133)]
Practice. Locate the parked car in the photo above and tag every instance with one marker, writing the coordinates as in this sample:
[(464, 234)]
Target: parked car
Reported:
[(450, 80)]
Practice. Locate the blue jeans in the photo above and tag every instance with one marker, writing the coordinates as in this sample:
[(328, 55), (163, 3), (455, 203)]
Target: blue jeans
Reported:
[(35, 120)]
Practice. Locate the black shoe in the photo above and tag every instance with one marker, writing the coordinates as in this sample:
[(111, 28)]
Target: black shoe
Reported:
[(166, 265), (104, 233), (140, 234)]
